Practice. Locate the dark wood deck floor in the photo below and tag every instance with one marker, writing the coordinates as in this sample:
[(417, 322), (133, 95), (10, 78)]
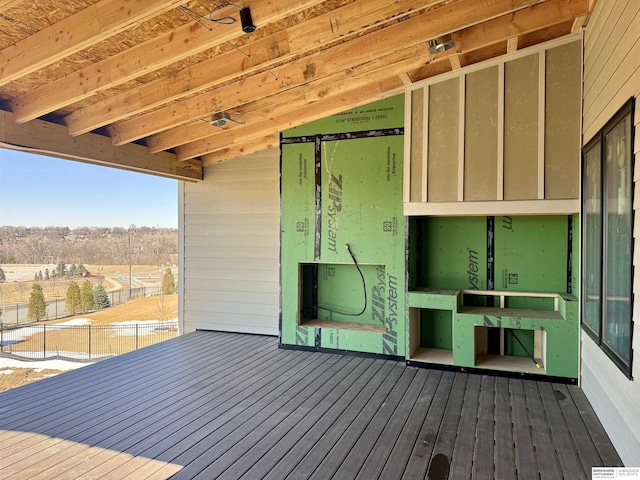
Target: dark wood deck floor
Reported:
[(215, 405)]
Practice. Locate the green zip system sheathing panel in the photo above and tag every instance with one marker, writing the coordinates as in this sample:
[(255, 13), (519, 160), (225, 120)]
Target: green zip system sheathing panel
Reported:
[(533, 254), (341, 194)]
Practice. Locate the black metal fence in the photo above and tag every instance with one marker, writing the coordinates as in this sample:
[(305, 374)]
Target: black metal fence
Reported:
[(80, 342), (56, 308)]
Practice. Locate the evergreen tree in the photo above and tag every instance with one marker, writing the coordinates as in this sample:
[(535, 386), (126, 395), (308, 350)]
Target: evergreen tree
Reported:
[(168, 283), (87, 300), (82, 270), (37, 305), (35, 277), (73, 270), (40, 276), (73, 298), (101, 299), (3, 278), (61, 269), (46, 274)]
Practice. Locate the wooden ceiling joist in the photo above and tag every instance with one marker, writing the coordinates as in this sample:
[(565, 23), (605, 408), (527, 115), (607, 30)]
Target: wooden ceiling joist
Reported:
[(270, 141), (50, 139), (498, 30), (416, 30), (140, 71), (87, 27), (282, 46), (292, 118), (299, 97), (156, 53)]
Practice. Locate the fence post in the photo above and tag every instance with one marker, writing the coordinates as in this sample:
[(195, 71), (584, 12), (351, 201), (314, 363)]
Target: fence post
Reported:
[(44, 341), (1, 337), (89, 342), (137, 335), (56, 308)]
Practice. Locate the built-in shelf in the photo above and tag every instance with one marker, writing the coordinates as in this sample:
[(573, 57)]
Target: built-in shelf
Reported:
[(492, 337), (359, 327), (508, 363), (432, 355)]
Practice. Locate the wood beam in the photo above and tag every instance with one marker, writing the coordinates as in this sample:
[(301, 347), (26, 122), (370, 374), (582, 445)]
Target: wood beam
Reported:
[(455, 62), (578, 23), (153, 54), (406, 79), (7, 4), (512, 44), (306, 113), (353, 19), (257, 111), (417, 29), (51, 139), (76, 32), (496, 31), (264, 143), (539, 16)]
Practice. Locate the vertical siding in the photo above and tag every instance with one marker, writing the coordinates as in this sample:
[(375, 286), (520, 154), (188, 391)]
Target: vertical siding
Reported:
[(611, 77), (230, 243)]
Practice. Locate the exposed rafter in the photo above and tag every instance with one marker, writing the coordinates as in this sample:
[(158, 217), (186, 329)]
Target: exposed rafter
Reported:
[(141, 59), (281, 46), (87, 27), (50, 139), (400, 35), (131, 73), (493, 32)]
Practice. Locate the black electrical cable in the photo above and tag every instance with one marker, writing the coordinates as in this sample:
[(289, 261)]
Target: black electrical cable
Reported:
[(220, 21), (523, 347), (364, 289)]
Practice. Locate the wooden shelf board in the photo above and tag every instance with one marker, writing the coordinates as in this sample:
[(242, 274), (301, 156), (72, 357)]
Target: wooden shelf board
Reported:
[(508, 363), (433, 355), (512, 312), (359, 327)]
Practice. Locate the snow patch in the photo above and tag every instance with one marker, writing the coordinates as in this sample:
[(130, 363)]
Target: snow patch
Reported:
[(75, 322), (63, 365)]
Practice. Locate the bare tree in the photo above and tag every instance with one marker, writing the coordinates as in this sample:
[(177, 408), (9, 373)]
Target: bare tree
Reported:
[(21, 287)]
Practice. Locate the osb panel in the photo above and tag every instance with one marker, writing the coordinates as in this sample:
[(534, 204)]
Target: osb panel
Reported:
[(430, 70), (134, 36), (545, 34), (481, 135), (521, 129), (482, 54)]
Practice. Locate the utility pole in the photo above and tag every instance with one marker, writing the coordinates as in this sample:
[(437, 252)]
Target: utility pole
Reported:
[(129, 263)]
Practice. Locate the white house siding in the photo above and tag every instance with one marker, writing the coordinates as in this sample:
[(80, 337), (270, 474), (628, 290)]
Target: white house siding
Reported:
[(229, 232), (611, 77)]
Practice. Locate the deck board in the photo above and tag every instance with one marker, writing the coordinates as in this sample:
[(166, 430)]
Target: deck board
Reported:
[(484, 433), (219, 405)]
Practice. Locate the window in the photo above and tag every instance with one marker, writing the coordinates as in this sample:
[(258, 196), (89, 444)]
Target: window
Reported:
[(607, 235)]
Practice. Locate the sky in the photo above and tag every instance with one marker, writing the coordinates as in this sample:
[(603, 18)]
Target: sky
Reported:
[(40, 191)]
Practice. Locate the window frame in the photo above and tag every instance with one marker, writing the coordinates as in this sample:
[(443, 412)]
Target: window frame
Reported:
[(598, 141)]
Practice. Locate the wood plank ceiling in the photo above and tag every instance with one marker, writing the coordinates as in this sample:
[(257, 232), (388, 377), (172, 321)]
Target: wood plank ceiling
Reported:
[(136, 83)]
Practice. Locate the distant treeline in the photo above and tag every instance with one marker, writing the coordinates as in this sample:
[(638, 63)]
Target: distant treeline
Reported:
[(89, 245)]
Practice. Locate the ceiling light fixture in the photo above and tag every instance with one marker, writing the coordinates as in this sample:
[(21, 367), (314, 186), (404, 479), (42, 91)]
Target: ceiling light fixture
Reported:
[(247, 22), (441, 44), (222, 119)]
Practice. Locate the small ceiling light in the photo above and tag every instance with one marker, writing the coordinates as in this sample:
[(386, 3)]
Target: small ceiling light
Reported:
[(247, 22), (441, 44), (221, 119)]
